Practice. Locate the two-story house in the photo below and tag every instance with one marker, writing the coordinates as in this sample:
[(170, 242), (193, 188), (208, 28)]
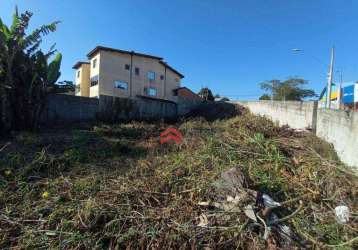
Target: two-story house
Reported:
[(126, 74)]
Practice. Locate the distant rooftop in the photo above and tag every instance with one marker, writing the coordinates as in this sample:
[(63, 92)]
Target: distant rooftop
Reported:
[(99, 48), (78, 64)]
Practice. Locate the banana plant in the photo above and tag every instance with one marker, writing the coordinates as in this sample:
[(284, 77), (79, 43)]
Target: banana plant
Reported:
[(26, 73)]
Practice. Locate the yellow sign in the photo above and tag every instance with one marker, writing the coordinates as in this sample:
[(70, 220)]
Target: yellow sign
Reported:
[(334, 96)]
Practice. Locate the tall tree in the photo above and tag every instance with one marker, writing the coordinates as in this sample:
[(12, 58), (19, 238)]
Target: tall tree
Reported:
[(265, 97), (26, 75), (65, 87), (289, 90)]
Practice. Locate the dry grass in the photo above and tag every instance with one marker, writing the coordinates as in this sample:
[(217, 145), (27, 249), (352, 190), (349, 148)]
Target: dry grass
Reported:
[(115, 186)]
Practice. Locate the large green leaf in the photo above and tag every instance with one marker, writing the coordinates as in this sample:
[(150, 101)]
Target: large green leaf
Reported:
[(54, 69), (4, 30), (15, 22)]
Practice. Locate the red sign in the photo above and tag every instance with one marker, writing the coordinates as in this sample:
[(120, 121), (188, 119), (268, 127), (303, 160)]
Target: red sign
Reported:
[(171, 134)]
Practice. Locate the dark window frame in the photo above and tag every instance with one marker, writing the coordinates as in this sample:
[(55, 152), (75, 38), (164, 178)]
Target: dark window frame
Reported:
[(94, 80), (127, 67), (136, 71)]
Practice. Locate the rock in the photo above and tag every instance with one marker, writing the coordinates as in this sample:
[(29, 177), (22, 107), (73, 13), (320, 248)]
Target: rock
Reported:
[(231, 192), (230, 183), (342, 214)]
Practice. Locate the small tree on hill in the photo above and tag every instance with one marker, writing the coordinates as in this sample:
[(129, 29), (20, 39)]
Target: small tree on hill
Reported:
[(265, 97), (65, 87), (206, 94)]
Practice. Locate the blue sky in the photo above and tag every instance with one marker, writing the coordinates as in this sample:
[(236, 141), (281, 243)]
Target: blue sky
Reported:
[(229, 46)]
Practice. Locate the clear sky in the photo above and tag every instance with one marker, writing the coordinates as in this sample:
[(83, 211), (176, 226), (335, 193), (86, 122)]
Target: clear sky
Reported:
[(229, 46)]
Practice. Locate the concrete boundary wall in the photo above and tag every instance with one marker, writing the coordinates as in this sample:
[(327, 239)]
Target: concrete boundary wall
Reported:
[(341, 129), (298, 115), (117, 108), (68, 108), (334, 126)]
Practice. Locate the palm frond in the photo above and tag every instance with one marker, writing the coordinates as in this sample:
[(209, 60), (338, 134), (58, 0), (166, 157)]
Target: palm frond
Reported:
[(6, 32), (51, 51), (54, 69), (36, 35), (33, 48)]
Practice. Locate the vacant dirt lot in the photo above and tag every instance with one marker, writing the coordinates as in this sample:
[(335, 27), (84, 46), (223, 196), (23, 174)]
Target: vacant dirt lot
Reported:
[(114, 186)]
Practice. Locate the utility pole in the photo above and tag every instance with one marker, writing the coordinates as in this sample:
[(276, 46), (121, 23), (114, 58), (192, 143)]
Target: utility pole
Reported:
[(330, 78)]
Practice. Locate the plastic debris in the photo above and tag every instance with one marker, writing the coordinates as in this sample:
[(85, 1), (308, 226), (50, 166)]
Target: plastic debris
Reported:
[(234, 200), (342, 214), (286, 234), (249, 212), (45, 195), (269, 202), (203, 220), (204, 203)]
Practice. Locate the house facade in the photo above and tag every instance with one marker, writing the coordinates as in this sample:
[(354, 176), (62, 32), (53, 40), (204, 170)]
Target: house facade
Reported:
[(126, 74), (187, 93)]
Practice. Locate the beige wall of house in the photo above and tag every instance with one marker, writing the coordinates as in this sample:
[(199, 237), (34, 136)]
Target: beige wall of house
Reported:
[(173, 81), (111, 69), (82, 80)]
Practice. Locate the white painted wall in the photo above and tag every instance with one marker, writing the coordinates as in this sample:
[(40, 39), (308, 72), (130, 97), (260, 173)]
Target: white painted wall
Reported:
[(297, 115), (341, 129)]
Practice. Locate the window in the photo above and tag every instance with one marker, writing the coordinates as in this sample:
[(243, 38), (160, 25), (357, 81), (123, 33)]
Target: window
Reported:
[(152, 91), (161, 77), (94, 63), (94, 81), (127, 67), (176, 79), (120, 85), (151, 75), (78, 74), (136, 71)]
